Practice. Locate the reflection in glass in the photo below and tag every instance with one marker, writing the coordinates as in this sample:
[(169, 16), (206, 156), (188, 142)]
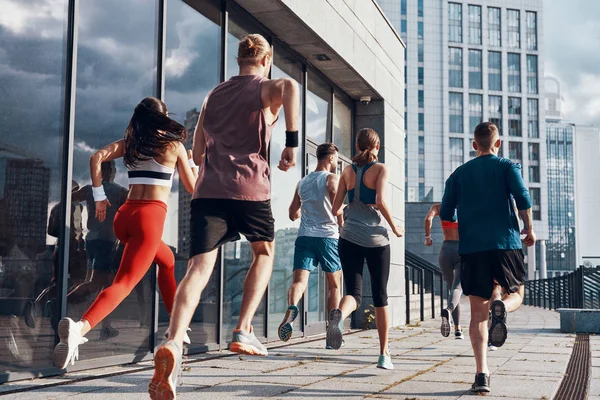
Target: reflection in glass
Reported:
[(494, 27), (342, 125), (494, 70), (495, 111), (455, 22), (456, 112), (455, 67), (475, 78), (318, 110), (109, 85), (475, 111), (31, 141), (456, 153), (192, 70)]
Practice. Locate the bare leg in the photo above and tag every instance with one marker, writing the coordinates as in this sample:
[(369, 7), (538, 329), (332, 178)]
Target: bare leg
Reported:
[(256, 282), (478, 331), (513, 301), (382, 318), (188, 294), (347, 305), (300, 281), (334, 285)]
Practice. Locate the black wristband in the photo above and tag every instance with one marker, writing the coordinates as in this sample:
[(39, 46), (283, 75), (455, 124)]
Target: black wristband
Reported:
[(291, 138)]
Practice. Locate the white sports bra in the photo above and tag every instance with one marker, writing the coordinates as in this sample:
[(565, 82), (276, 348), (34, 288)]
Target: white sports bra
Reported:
[(150, 172)]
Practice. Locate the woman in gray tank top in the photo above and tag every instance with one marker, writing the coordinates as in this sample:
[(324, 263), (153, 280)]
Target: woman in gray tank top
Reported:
[(364, 237)]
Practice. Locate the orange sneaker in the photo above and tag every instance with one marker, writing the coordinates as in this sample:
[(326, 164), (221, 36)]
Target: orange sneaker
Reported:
[(167, 364), (247, 343)]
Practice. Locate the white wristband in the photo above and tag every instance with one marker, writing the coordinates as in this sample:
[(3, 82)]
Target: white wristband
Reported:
[(192, 163), (427, 237), (98, 193)]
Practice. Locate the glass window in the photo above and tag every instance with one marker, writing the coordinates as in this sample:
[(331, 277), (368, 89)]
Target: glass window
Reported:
[(475, 110), (532, 74), (515, 152), (536, 207), (318, 110), (514, 72), (185, 90), (421, 122), (403, 26), (494, 27), (514, 29), (495, 111), (475, 79), (455, 22), (421, 166), (101, 71), (474, 24), (456, 153), (455, 67), (421, 145), (514, 116), (531, 29), (420, 75), (421, 97), (420, 8), (420, 52), (456, 112), (420, 29), (495, 70), (342, 124), (532, 118), (286, 66), (32, 59), (534, 152), (403, 7), (534, 173)]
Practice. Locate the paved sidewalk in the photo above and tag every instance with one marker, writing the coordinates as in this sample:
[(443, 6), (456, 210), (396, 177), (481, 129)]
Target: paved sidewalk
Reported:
[(530, 366)]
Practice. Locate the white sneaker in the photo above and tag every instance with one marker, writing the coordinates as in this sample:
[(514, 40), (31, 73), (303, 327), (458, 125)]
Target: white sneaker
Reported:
[(186, 338), (67, 350)]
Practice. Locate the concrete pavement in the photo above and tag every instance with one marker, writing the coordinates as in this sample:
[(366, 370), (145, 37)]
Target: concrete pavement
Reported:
[(427, 366)]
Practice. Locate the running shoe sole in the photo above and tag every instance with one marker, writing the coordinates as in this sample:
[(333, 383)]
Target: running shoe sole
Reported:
[(248, 349), (63, 352), (161, 386), (334, 333), (445, 328), (286, 329), (498, 329), (480, 389), (459, 337)]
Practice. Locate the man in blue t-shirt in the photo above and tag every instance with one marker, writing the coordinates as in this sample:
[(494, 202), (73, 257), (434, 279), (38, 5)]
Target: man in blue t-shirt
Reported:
[(481, 191)]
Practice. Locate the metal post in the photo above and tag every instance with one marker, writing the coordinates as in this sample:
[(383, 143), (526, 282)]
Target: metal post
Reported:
[(442, 294), (422, 293), (432, 296), (407, 289)]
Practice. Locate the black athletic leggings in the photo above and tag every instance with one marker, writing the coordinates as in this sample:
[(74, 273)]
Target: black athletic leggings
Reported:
[(353, 259)]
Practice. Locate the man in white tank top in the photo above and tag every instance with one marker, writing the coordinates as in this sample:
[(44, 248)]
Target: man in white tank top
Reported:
[(317, 241)]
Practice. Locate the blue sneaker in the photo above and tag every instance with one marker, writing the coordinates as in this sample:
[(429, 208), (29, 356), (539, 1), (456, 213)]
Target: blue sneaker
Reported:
[(334, 329), (286, 328), (385, 362)]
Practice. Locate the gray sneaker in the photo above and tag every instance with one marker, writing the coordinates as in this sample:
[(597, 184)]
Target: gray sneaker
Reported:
[(334, 329), (247, 343), (167, 365)]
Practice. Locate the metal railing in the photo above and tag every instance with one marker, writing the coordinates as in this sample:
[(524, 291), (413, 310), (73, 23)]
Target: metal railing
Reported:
[(578, 289), (422, 277)]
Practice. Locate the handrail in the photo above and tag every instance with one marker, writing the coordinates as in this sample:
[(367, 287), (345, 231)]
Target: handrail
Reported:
[(425, 274)]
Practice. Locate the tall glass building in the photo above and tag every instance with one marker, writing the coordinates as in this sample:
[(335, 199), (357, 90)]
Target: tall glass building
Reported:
[(468, 62), (72, 72)]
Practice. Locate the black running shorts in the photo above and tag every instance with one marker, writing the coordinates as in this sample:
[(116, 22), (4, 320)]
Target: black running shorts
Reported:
[(480, 270), (215, 222)]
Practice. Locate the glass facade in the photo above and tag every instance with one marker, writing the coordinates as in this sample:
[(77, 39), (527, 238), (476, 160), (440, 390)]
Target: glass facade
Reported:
[(536, 206), (455, 72), (420, 29), (475, 111), (45, 219), (495, 111), (474, 24), (421, 122), (533, 122), (514, 28), (514, 116), (475, 75), (534, 162), (420, 52), (514, 72), (420, 75), (531, 29), (495, 70), (560, 250), (420, 8), (494, 27), (515, 152), (456, 112), (532, 74), (457, 151), (455, 22), (421, 98)]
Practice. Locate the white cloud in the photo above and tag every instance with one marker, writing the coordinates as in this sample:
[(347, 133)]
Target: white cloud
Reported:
[(83, 146)]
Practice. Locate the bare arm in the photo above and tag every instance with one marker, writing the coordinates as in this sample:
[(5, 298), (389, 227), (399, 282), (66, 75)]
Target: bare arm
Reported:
[(340, 195), (107, 153), (199, 145), (187, 174), (433, 212), (381, 187), (527, 217), (333, 181), (295, 206), (285, 92)]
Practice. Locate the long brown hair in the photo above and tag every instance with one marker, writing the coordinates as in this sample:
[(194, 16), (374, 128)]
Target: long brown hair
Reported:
[(150, 131), (366, 141)]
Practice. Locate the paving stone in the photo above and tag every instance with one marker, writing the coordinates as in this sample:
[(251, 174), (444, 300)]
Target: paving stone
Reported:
[(421, 391)]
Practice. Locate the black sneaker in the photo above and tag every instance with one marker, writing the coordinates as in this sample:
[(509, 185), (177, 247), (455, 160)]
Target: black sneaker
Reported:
[(481, 384), (446, 322), (498, 330), (458, 335)]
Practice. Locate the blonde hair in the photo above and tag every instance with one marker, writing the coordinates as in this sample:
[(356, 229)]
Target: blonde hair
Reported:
[(252, 49), (366, 140)]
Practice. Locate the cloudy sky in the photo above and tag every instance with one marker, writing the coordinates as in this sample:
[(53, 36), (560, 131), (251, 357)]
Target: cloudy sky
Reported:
[(572, 40)]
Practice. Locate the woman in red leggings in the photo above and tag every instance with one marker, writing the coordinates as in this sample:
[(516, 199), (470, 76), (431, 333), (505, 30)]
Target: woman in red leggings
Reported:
[(152, 149)]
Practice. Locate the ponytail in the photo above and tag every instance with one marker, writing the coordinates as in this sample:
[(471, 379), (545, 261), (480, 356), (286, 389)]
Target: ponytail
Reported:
[(364, 157), (366, 141)]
